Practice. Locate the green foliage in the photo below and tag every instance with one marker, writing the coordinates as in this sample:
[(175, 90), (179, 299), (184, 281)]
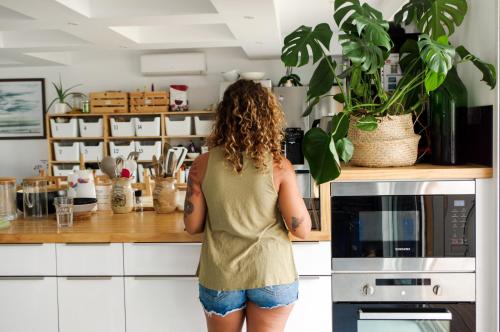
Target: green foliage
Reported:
[(323, 163), (489, 71), (62, 94), (438, 59), (295, 52)]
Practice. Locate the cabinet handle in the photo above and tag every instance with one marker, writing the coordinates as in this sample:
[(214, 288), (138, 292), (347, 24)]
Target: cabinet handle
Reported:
[(20, 244), (89, 278), (164, 278), (303, 243), (309, 277), (22, 278), (166, 243), (88, 244)]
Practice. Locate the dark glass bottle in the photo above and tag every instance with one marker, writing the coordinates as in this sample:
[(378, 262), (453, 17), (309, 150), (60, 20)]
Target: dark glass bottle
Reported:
[(448, 112)]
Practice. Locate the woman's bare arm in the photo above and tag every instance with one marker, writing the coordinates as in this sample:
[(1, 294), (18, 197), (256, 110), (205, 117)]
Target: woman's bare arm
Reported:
[(291, 203), (195, 207)]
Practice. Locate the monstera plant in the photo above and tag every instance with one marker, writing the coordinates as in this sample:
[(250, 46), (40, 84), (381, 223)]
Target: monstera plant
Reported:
[(366, 44)]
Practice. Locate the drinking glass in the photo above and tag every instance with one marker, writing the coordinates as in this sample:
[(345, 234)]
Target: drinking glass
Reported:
[(64, 211)]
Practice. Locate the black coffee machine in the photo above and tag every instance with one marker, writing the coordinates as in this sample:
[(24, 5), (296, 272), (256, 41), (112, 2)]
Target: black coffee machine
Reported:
[(292, 146)]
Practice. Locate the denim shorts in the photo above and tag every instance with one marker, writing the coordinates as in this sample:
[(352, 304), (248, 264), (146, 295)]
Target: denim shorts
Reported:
[(222, 303)]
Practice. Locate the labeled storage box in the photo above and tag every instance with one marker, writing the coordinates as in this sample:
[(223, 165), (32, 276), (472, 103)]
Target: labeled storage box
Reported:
[(109, 102), (93, 151), (178, 125), (64, 170), (203, 124), (67, 151), (90, 127), (121, 149), (68, 128), (156, 101), (147, 126), (122, 127), (147, 149)]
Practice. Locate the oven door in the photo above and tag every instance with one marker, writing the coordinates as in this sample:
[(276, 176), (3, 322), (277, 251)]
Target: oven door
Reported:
[(398, 317)]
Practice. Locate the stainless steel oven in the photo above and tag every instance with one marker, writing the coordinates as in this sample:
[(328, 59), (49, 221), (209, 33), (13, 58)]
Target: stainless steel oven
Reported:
[(403, 256)]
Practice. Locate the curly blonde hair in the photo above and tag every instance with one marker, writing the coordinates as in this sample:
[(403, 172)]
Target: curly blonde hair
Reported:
[(248, 120)]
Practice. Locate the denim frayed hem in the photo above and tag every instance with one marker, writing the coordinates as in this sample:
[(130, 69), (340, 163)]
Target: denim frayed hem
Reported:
[(277, 306), (211, 312)]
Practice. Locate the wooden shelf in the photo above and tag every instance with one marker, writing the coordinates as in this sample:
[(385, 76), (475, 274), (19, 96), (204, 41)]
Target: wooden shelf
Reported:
[(187, 136), (136, 138), (71, 162), (191, 113), (76, 138)]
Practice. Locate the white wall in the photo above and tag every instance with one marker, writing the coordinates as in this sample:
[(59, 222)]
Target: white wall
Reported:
[(120, 71), (479, 34)]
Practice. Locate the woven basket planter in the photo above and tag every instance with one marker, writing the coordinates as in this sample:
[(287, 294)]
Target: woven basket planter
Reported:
[(393, 143)]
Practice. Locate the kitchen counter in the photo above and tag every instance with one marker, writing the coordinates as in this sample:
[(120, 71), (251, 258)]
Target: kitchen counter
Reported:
[(108, 227)]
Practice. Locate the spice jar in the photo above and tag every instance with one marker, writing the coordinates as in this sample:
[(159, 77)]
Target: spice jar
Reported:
[(8, 199), (165, 195), (122, 196), (103, 188)]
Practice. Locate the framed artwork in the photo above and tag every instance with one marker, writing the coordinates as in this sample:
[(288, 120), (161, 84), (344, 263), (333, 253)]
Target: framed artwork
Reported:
[(22, 108)]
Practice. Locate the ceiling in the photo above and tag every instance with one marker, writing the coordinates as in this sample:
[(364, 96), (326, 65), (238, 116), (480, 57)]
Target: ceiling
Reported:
[(58, 32)]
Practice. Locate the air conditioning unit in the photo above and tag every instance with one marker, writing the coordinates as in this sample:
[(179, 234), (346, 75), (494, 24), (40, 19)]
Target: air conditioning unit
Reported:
[(173, 64)]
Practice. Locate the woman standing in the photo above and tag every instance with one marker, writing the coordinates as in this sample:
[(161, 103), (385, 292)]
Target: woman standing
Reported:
[(243, 194)]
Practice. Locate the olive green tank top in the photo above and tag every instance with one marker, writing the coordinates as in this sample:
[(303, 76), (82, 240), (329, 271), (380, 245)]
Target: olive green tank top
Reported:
[(246, 243)]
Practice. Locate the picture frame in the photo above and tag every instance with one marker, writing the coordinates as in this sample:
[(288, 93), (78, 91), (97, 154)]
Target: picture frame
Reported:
[(22, 108)]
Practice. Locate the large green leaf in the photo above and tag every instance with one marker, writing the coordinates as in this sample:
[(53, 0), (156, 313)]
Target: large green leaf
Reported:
[(433, 17), (345, 11), (489, 71), (367, 123), (374, 31), (310, 106), (316, 148), (345, 149), (295, 52), (323, 78), (437, 56), (361, 52), (340, 125)]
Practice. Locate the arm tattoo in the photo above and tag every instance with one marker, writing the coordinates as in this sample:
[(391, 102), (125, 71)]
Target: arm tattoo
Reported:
[(188, 205), (296, 222)]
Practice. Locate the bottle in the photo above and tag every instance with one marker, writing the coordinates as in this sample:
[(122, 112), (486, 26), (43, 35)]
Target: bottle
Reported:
[(448, 114)]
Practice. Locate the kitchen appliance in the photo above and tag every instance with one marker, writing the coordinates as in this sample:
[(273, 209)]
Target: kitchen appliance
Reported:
[(403, 256), (35, 198), (293, 101), (293, 145), (310, 193)]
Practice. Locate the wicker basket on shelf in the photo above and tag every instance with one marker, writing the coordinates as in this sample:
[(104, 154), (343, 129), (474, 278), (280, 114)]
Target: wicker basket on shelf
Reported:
[(393, 143)]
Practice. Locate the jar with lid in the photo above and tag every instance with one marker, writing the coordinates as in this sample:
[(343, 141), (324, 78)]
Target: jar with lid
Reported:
[(35, 197), (122, 196), (165, 195), (8, 209)]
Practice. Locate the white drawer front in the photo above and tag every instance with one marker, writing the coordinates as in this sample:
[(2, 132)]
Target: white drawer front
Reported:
[(90, 259), (28, 260), (161, 258), (312, 258)]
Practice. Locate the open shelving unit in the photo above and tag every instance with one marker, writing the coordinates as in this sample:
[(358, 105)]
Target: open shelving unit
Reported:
[(107, 138)]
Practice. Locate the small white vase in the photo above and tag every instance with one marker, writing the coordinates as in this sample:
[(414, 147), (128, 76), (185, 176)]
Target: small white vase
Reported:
[(60, 108)]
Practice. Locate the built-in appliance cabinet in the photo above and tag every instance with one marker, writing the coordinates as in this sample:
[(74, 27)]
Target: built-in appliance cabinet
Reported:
[(133, 287)]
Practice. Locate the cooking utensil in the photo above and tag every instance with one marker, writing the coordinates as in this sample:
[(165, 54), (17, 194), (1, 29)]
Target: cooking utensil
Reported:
[(118, 166), (181, 153), (168, 162), (134, 155), (108, 166)]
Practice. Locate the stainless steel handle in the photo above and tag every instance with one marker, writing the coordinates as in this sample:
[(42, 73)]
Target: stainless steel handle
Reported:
[(89, 278), (309, 277), (20, 244), (445, 315), (402, 188), (88, 244), (302, 243), (166, 243), (165, 278), (22, 278)]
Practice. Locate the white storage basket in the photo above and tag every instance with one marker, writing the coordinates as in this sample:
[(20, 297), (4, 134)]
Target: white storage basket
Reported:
[(122, 128), (93, 151), (67, 151), (64, 170), (90, 127), (203, 125), (117, 149), (147, 149), (147, 126), (64, 129), (178, 125)]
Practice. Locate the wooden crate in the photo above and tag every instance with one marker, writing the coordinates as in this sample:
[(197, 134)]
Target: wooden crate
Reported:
[(109, 102), (156, 101)]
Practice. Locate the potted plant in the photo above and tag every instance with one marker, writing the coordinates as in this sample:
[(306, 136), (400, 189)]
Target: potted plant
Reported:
[(376, 127), (290, 79), (60, 103)]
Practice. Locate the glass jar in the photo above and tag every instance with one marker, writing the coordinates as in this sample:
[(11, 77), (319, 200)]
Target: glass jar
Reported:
[(122, 196), (448, 110), (165, 195), (103, 188), (8, 209), (35, 197)]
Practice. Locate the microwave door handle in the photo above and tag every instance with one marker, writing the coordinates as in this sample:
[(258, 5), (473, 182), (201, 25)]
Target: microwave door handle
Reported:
[(445, 315)]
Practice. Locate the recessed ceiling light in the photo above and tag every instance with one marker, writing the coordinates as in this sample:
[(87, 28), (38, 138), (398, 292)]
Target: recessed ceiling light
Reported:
[(72, 23), (248, 17)]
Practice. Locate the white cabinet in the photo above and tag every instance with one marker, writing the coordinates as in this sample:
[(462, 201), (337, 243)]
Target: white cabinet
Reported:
[(163, 304), (313, 310), (94, 259), (312, 258), (91, 304), (28, 259), (28, 304)]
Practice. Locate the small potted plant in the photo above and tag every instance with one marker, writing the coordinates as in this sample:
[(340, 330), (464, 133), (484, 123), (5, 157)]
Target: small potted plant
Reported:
[(60, 103), (290, 79), (376, 127)]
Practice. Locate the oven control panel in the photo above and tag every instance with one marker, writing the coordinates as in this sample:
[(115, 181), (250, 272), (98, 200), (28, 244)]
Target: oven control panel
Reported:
[(459, 225)]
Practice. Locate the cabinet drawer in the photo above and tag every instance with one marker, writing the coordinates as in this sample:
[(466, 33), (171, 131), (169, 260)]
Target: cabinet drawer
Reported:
[(28, 259), (90, 259), (312, 258), (161, 258)]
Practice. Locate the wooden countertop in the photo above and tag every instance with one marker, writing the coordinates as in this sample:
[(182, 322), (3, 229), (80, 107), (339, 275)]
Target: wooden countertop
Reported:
[(107, 227), (417, 172)]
